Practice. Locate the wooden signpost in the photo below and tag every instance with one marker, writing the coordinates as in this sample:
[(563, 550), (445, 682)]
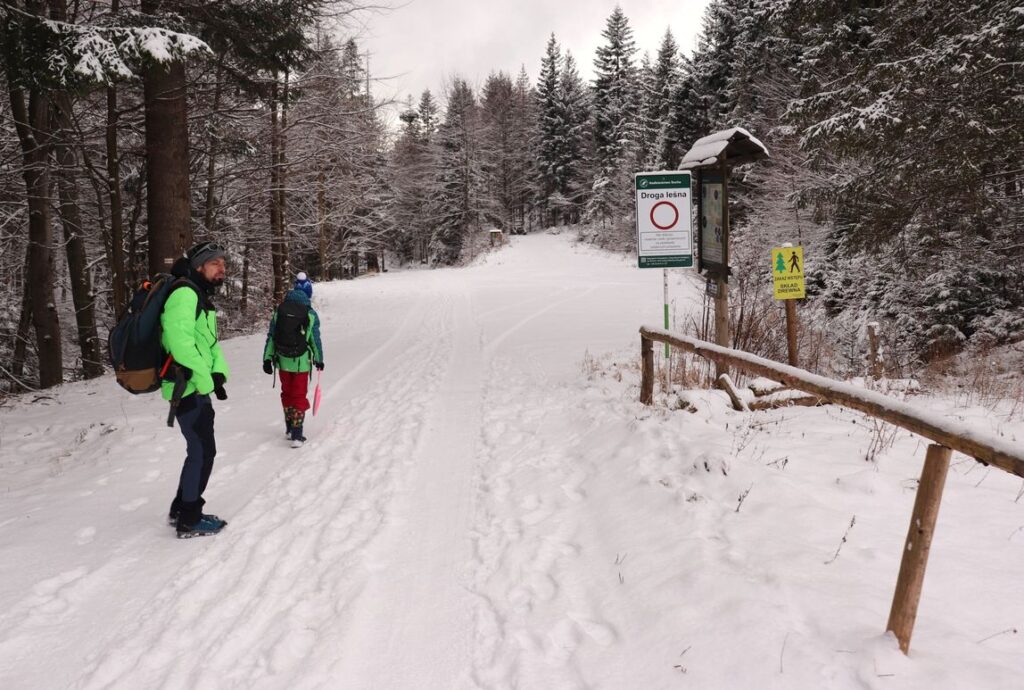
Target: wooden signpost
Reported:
[(712, 158), (787, 266)]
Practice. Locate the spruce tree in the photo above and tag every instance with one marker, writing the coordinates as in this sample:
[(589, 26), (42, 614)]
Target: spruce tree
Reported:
[(614, 124), (647, 115), (524, 144), (665, 83), (458, 175), (412, 181), (573, 103), (550, 130), (497, 150), (713, 64)]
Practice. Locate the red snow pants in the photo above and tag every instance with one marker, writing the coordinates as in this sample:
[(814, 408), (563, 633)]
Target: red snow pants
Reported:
[(293, 389)]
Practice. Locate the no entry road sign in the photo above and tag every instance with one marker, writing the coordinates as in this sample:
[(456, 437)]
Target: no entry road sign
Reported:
[(663, 226)]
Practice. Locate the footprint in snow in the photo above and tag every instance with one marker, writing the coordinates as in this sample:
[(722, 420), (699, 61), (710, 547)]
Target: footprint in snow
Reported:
[(530, 502), (599, 632), (134, 505), (520, 599), (85, 535), (562, 642), (52, 586), (543, 585), (572, 489)]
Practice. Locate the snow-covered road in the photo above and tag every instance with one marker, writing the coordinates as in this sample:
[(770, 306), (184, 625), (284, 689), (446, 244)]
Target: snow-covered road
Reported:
[(483, 506)]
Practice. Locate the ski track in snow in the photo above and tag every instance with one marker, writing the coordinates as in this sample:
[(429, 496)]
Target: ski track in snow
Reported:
[(474, 512), (291, 558)]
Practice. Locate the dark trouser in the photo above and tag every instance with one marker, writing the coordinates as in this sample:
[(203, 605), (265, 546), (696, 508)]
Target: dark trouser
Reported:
[(195, 419)]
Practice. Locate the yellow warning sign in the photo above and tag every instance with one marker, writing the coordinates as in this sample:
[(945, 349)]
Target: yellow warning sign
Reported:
[(788, 272)]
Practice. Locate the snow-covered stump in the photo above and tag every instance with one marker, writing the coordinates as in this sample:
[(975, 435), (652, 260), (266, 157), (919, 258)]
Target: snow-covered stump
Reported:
[(726, 384), (918, 545)]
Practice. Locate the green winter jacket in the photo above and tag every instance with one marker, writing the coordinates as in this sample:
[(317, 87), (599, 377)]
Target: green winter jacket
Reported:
[(314, 352), (192, 341)]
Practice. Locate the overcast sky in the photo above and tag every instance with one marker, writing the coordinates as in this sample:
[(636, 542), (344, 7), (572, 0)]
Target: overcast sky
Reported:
[(425, 42)]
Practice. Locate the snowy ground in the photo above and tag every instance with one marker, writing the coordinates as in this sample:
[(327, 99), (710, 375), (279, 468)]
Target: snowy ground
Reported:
[(479, 509)]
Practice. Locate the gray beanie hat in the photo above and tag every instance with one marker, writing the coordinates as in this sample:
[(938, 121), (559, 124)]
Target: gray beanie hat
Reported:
[(200, 253)]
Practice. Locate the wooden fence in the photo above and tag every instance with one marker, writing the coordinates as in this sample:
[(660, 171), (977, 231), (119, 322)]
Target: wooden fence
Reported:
[(948, 435)]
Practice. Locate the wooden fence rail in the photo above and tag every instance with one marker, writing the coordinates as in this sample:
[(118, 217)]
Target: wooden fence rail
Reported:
[(985, 448), (948, 434)]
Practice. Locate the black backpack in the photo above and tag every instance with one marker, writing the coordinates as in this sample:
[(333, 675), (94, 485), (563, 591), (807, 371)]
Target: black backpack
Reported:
[(134, 346), (290, 329)]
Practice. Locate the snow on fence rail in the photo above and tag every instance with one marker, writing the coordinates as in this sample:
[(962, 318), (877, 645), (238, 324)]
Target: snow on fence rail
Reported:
[(985, 448), (948, 434)]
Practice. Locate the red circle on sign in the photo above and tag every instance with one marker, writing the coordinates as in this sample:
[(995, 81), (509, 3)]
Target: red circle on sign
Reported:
[(674, 210)]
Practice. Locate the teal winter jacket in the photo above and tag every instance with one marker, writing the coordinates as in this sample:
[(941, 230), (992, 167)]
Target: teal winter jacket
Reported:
[(313, 353)]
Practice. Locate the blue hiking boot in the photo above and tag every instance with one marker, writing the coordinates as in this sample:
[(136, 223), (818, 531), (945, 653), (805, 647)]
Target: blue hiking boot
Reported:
[(172, 517), (207, 525)]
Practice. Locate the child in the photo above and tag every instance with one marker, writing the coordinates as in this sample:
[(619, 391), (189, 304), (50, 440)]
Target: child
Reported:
[(302, 282), (293, 345)]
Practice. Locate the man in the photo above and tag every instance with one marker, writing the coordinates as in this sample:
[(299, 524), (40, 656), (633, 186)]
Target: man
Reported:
[(293, 342), (189, 323)]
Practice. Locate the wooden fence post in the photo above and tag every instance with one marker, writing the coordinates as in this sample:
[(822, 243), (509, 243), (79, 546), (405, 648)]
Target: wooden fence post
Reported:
[(918, 545), (647, 371)]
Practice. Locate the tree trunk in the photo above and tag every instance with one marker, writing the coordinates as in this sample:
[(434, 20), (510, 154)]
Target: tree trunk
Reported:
[(167, 173), (321, 211), (282, 177), (134, 255), (118, 278), (117, 268), (211, 163), (24, 323), (243, 303), (32, 128), (276, 230), (74, 244)]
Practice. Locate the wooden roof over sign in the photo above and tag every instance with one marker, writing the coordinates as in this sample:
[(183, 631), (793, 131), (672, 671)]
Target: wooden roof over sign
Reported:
[(730, 146)]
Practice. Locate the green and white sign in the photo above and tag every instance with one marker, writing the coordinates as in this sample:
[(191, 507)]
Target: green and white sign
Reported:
[(663, 227)]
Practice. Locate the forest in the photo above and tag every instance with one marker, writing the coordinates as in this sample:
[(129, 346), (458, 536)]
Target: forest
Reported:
[(132, 128)]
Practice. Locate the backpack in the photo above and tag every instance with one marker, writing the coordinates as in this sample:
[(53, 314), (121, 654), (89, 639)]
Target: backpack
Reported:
[(134, 346), (290, 329)]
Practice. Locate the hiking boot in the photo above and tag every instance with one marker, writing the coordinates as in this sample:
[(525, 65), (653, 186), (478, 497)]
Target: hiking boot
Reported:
[(206, 526), (172, 518), (297, 438)]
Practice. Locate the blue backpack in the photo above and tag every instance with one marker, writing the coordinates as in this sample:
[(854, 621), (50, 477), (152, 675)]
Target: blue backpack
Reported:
[(134, 346)]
